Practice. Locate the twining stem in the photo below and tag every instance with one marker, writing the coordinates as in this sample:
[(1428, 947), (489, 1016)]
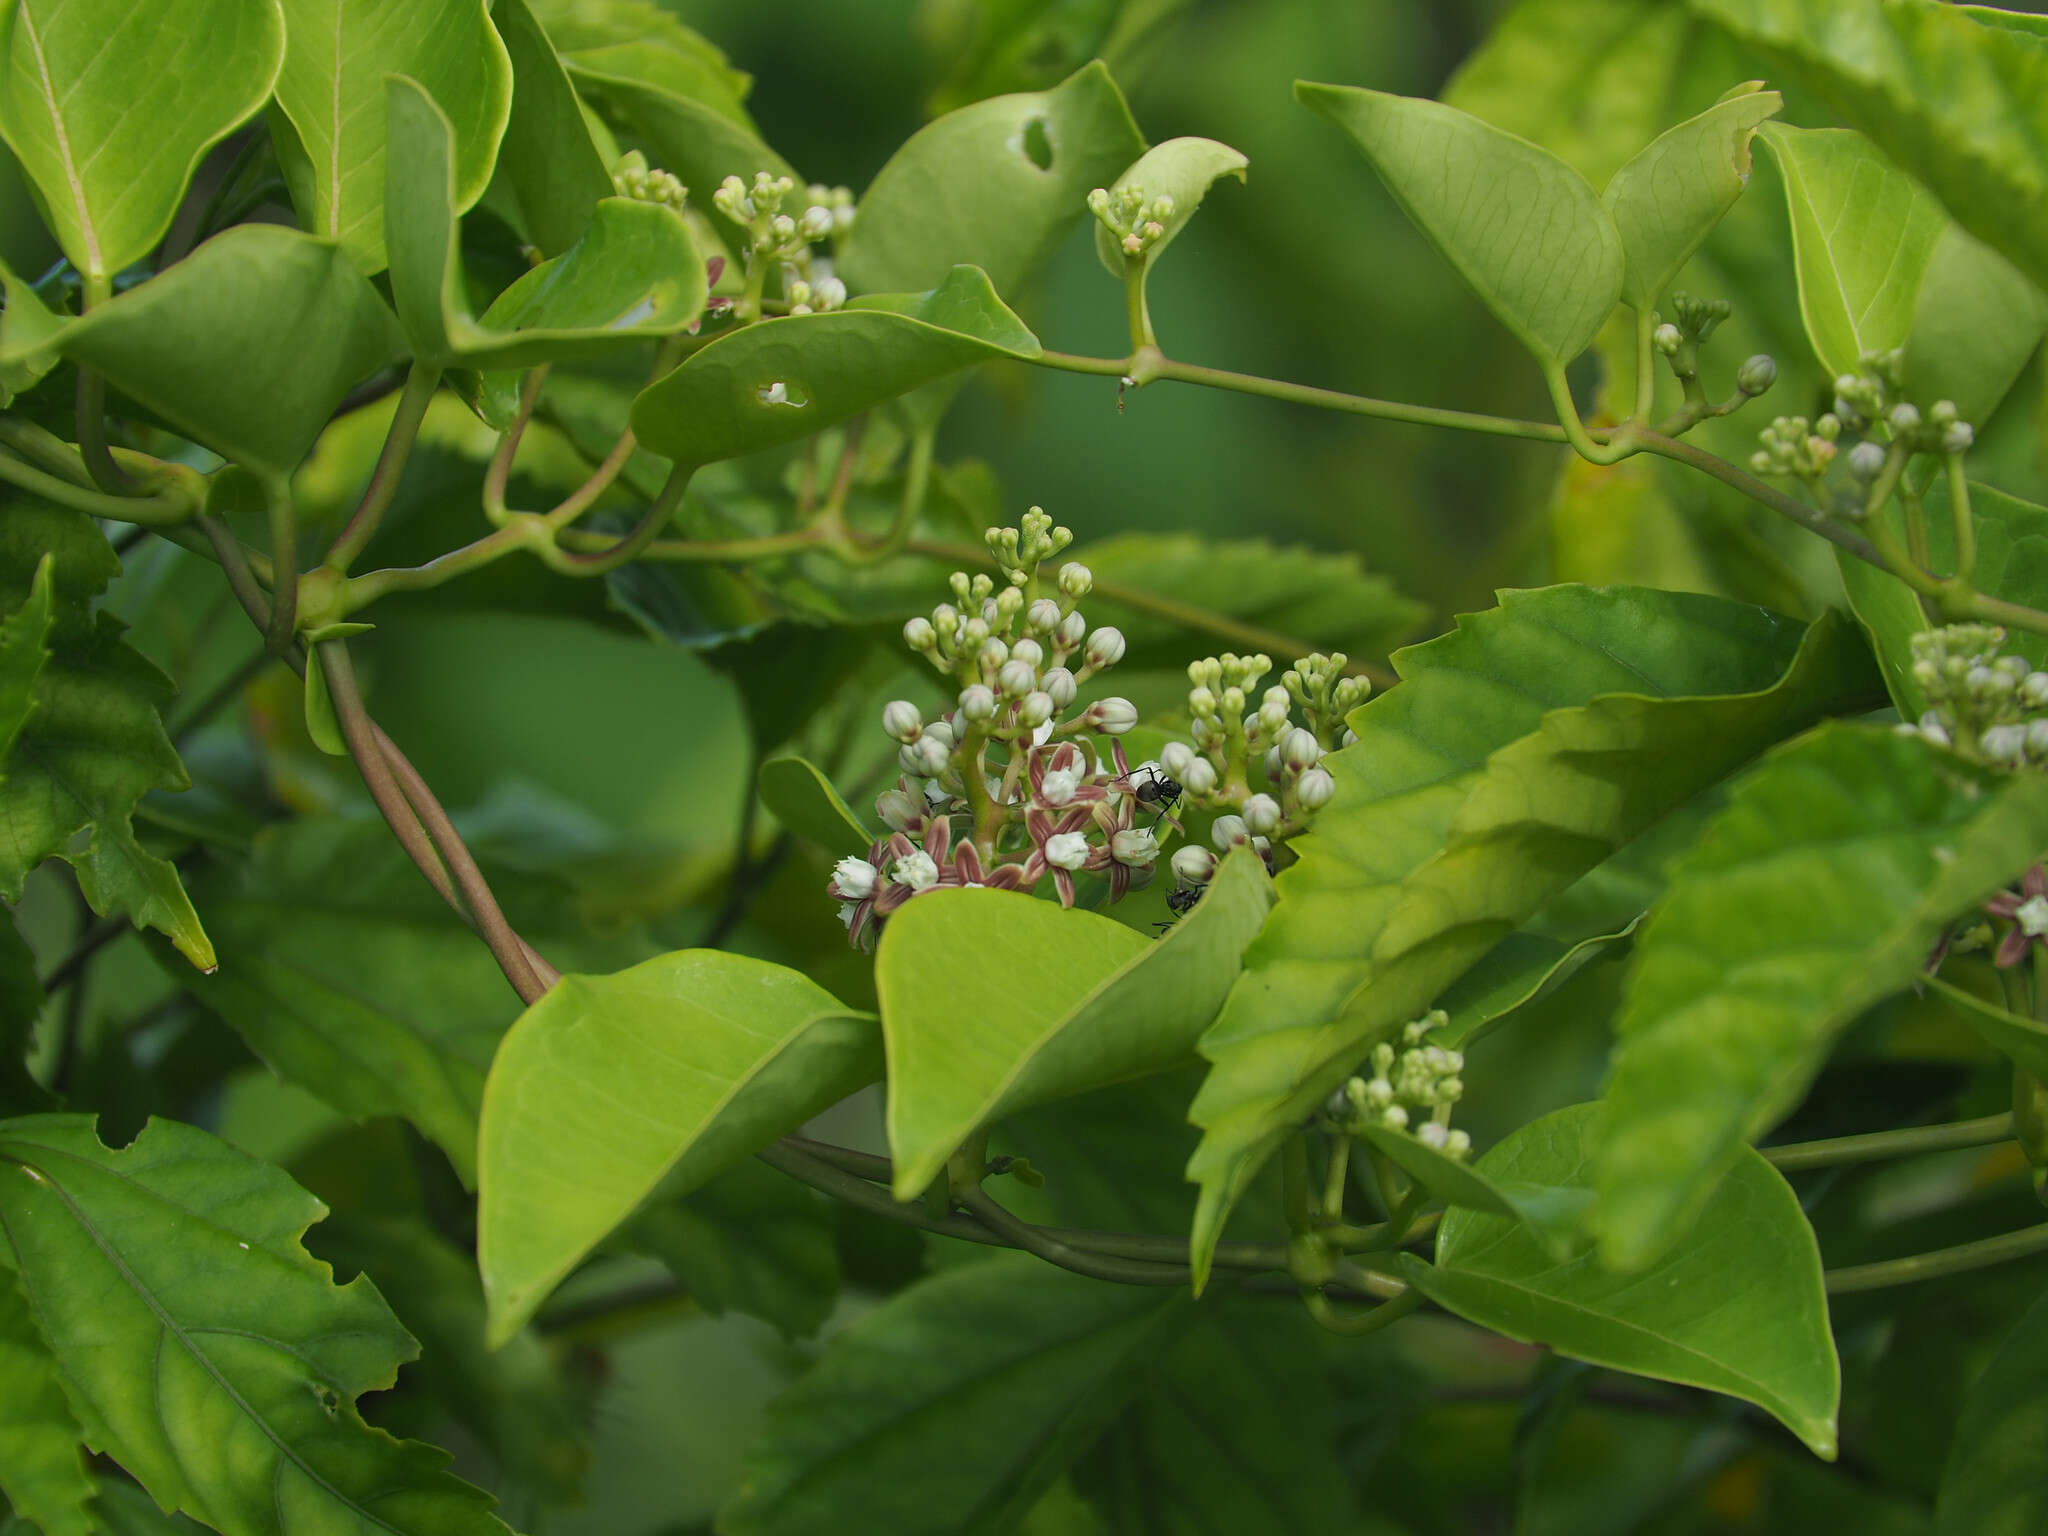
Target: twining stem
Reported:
[(421, 380), (1036, 1240), (39, 445), (500, 470), (92, 408), (1943, 1261), (1334, 1319), (628, 547), (1619, 443), (175, 504), (1888, 1144), (284, 562)]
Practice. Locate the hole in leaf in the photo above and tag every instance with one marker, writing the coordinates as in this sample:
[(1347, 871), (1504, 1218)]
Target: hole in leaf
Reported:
[(1038, 144), (782, 392)]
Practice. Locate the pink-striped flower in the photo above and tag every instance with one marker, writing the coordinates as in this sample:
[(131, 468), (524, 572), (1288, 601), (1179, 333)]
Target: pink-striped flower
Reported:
[(2027, 911)]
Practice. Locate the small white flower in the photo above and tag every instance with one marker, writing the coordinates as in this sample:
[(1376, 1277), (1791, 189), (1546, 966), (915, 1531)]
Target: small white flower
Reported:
[(1058, 786), (916, 870), (1134, 845), (828, 293), (854, 878), (1066, 850), (2032, 916), (2004, 743), (846, 911)]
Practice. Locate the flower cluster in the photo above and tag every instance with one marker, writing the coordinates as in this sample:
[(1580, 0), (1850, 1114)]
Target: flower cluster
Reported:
[(1011, 779), (779, 240), (1413, 1087), (1231, 749), (632, 178), (1136, 223), (1985, 706), (1888, 431)]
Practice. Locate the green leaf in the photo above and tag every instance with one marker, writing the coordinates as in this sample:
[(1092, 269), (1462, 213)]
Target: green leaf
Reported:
[(996, 185), (110, 109), (584, 27), (632, 274), (1891, 615), (93, 745), (176, 1262), (699, 76), (1960, 105), (750, 1241), (1182, 169), (547, 161), (329, 128), (247, 345), (799, 796), (1520, 751), (1521, 969), (1975, 324), (1550, 1212), (42, 1464), (1088, 1003), (1738, 1309), (1668, 199), (2024, 1040), (1328, 600), (1522, 227), (592, 1106), (953, 1406), (1817, 892), (1992, 1485), (321, 724), (782, 380), (21, 1001), (24, 648)]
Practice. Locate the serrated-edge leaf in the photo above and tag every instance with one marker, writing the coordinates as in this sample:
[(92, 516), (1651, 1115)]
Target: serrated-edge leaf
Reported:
[(1541, 750), (1096, 1042), (1818, 891)]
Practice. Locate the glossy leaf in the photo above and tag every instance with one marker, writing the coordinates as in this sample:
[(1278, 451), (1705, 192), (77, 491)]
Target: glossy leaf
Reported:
[(631, 275), (247, 345), (1992, 1485), (110, 108), (1522, 227), (1549, 1212), (1960, 105), (1891, 616), (1182, 169), (1738, 1309), (995, 185), (1668, 199), (93, 745), (328, 123), (657, 1076), (803, 800), (1519, 751), (1521, 969), (1328, 600), (1817, 892), (953, 1406), (1975, 324), (547, 161), (583, 27), (1091, 1004), (2023, 1040), (750, 1241), (42, 1463), (176, 1262), (782, 380)]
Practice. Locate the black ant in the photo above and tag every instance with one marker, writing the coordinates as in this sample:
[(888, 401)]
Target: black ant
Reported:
[(1179, 901), (1155, 791)]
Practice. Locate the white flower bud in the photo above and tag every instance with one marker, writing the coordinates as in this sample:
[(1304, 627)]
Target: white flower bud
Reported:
[(1072, 628), (1193, 864), (1957, 437), (1106, 646), (1175, 756), (919, 635), (1457, 1144), (1134, 845), (2005, 744), (926, 757), (1262, 815), (828, 293), (1667, 338), (1066, 850), (942, 731), (1201, 701), (1042, 617), (977, 701), (900, 810), (1866, 460), (1274, 762), (1199, 778), (916, 870), (1028, 651), (1314, 789), (1905, 418), (1076, 579), (1299, 749), (853, 878), (1112, 717), (817, 222), (1059, 682), (1756, 375), (1228, 832), (901, 720), (1016, 678), (993, 654), (1038, 707), (974, 634), (1394, 1118), (1430, 1134)]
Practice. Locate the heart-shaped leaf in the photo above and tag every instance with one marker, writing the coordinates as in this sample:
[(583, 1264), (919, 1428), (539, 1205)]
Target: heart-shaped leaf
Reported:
[(1181, 169), (1670, 196), (803, 800), (176, 1262), (110, 108), (1817, 892), (1087, 1003), (781, 380), (654, 1077), (1522, 227), (631, 275), (330, 133), (1738, 1309)]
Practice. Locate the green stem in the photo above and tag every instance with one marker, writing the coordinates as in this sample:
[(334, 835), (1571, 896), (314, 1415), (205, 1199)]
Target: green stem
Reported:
[(707, 551), (1887, 1144), (1812, 519), (500, 471), (579, 501), (1036, 1240), (421, 380), (175, 504), (1943, 1261), (1966, 526), (1336, 1178), (1334, 1319), (1620, 443), (1646, 365), (41, 446), (1136, 311), (1916, 522), (92, 408), (916, 479), (284, 562), (621, 550)]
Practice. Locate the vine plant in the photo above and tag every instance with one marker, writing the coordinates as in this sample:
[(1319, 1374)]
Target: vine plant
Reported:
[(557, 222)]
